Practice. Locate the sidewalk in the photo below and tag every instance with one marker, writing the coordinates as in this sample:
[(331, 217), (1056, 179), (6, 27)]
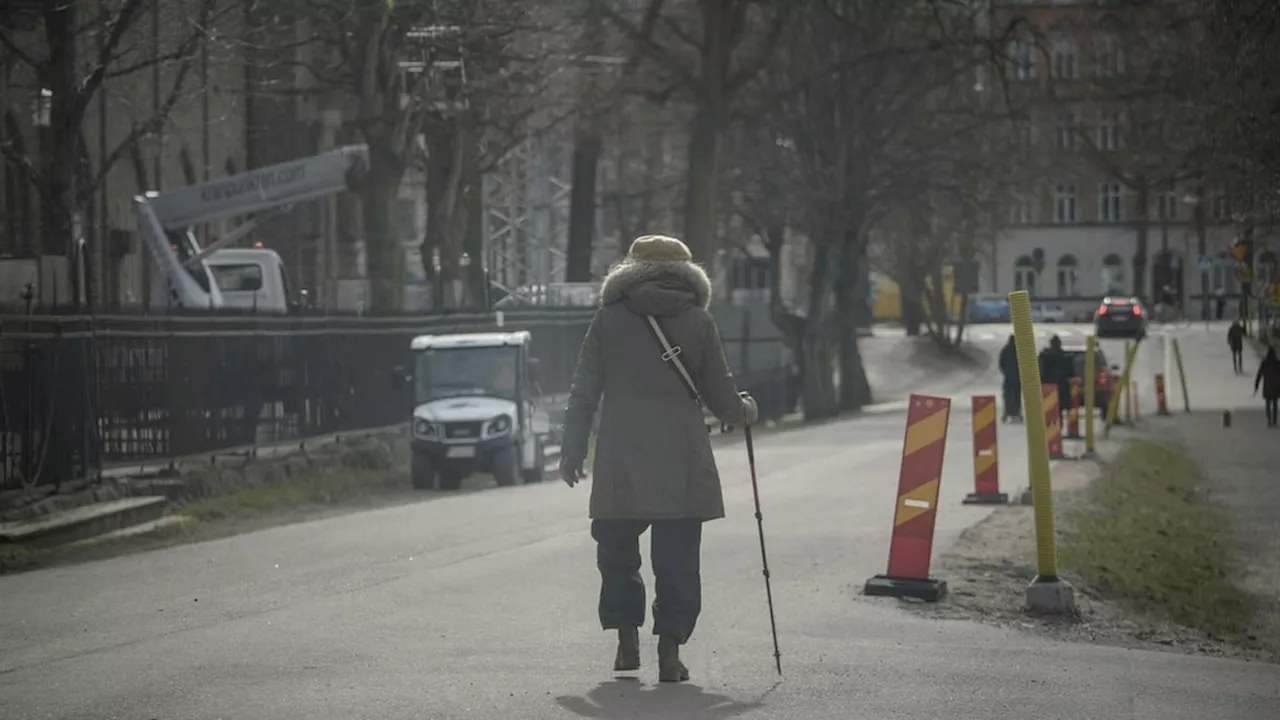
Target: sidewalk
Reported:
[(1241, 467)]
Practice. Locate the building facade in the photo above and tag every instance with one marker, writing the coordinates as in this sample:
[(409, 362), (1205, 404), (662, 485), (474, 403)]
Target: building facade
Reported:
[(1107, 204)]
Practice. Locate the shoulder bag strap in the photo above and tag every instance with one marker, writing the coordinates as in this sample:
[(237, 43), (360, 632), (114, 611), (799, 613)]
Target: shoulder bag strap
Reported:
[(671, 356)]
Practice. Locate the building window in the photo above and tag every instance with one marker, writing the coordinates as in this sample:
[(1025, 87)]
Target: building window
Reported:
[(1022, 59), (1067, 130), (1065, 53), (1110, 202), (1221, 208), (406, 220), (1024, 275), (1064, 203), (1110, 136), (1265, 269), (1025, 135), (1168, 205), (1113, 282), (1109, 56), (1067, 265), (1022, 209)]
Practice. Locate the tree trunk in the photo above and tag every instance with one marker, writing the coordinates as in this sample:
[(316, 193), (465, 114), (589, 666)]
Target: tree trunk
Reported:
[(384, 254), (855, 390), (700, 186), (818, 391), (909, 292), (587, 146), (1141, 251)]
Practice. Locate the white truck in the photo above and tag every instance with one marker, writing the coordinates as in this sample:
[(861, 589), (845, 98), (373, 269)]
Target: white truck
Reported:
[(474, 410), (190, 277)]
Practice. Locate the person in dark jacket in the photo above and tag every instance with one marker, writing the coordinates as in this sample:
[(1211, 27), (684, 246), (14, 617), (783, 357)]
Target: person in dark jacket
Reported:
[(1012, 382), (1269, 379), (1235, 341), (1056, 368), (653, 469)]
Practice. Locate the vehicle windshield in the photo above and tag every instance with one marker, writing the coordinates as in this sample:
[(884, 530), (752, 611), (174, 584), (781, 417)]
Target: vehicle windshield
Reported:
[(465, 371)]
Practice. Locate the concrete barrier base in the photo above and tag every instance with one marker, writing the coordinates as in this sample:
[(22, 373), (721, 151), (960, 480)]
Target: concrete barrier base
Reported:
[(1051, 596), (928, 590)]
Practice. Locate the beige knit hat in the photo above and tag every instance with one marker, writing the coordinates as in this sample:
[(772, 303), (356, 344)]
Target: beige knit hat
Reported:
[(658, 248)]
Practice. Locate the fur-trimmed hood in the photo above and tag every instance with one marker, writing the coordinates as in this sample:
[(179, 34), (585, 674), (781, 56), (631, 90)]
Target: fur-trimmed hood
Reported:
[(660, 288)]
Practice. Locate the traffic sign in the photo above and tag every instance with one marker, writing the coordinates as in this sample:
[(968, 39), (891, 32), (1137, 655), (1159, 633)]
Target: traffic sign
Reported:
[(1238, 251), (1244, 273), (1205, 263)]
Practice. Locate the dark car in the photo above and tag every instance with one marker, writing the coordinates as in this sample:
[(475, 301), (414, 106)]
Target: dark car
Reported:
[(1103, 381), (1120, 317)]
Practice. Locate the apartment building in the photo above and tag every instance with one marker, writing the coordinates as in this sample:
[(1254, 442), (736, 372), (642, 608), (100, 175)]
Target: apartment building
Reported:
[(1107, 206)]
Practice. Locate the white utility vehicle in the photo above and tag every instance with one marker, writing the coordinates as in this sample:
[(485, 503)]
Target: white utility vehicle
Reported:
[(190, 277), (473, 410)]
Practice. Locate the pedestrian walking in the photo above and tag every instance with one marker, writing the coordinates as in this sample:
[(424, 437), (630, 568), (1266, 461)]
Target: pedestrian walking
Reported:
[(1056, 368), (1220, 301), (1235, 341), (1269, 379), (1012, 382), (651, 341)]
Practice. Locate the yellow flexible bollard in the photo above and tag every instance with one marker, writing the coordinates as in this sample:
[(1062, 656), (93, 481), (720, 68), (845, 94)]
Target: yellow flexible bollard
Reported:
[(1131, 352), (1182, 376), (1090, 390), (1047, 593)]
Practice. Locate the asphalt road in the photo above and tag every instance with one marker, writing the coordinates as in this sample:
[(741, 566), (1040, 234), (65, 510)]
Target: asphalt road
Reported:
[(483, 606)]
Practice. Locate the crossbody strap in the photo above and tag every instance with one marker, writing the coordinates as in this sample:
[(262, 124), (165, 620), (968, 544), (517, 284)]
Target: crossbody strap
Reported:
[(671, 356)]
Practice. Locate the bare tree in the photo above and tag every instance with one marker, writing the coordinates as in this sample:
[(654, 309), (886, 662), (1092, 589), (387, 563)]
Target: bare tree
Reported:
[(71, 53), (851, 107), (705, 53)]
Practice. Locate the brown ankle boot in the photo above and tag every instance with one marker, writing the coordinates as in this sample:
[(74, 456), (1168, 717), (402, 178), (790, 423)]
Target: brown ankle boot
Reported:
[(628, 657), (670, 669)]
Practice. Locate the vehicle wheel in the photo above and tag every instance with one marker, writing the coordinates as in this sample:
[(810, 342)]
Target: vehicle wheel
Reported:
[(451, 479), (422, 472), (539, 471), (506, 466)]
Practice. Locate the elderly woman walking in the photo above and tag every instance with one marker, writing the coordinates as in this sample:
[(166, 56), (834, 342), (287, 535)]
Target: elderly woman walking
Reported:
[(651, 357)]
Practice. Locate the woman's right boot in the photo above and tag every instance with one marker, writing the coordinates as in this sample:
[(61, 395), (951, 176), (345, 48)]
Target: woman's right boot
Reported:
[(670, 669)]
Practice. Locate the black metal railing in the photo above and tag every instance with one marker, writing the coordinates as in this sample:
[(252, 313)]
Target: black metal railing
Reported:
[(81, 393)]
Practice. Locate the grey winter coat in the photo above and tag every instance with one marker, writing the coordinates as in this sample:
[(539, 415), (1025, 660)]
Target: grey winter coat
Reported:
[(653, 457)]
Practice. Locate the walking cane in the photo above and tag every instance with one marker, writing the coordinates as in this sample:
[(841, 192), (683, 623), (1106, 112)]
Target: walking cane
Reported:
[(764, 556)]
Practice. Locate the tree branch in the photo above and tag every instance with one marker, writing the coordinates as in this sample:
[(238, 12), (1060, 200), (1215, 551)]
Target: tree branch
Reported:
[(153, 125)]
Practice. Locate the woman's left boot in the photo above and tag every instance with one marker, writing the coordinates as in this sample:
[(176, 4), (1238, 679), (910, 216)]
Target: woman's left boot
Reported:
[(628, 650)]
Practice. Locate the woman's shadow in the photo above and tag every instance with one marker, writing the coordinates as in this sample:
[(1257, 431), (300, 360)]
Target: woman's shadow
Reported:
[(630, 698)]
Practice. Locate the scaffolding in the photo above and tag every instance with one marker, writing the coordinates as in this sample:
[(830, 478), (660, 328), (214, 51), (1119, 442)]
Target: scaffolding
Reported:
[(526, 216)]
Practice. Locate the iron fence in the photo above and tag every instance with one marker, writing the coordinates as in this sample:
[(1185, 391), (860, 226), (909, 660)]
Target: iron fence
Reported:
[(80, 393)]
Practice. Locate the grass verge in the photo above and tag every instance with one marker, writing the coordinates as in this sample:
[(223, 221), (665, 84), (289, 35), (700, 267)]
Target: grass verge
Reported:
[(1145, 536), (327, 489)]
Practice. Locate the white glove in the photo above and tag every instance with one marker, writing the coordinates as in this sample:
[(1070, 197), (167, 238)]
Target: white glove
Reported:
[(749, 408)]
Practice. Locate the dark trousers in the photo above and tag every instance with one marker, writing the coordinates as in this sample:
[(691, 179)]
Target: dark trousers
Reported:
[(1012, 400), (1273, 411), (675, 547), (1237, 359)]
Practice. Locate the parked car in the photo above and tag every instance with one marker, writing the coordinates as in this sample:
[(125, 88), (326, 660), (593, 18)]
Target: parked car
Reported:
[(1120, 317), (1048, 313), (988, 309), (1105, 379)]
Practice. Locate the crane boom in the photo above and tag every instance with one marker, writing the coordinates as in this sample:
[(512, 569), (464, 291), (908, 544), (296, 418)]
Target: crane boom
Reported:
[(257, 190), (165, 221)]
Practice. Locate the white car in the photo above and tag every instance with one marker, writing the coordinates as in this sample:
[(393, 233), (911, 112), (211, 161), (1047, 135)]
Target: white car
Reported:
[(1048, 313)]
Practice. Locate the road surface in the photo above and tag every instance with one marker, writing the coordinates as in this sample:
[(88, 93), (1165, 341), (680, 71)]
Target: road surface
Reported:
[(483, 606)]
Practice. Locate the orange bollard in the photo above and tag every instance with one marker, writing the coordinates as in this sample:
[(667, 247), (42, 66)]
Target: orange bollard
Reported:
[(1053, 421), (986, 456), (1162, 401), (916, 509), (1073, 412)]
